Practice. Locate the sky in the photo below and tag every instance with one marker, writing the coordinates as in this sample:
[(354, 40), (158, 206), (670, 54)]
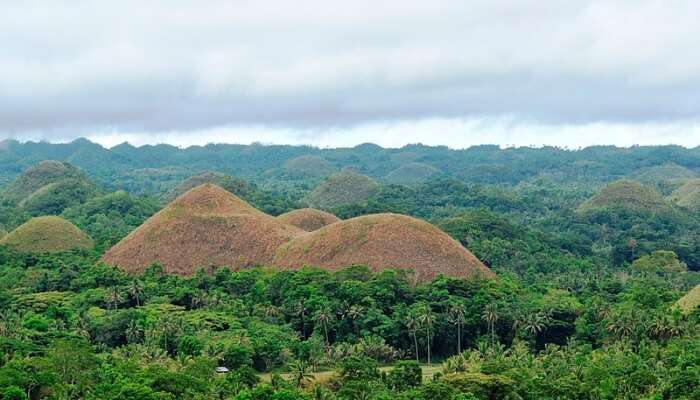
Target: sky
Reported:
[(339, 73)]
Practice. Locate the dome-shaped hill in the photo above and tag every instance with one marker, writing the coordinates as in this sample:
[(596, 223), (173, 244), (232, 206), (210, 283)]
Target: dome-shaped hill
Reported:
[(668, 172), (308, 219), (411, 173), (207, 226), (345, 187), (48, 234), (38, 176), (309, 165), (236, 186), (688, 195), (57, 196), (383, 241), (626, 195), (2, 233), (690, 301)]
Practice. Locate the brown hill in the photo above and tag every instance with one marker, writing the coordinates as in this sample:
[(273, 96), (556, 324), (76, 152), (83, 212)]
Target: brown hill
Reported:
[(380, 241), (49, 234), (690, 301), (308, 219), (207, 226)]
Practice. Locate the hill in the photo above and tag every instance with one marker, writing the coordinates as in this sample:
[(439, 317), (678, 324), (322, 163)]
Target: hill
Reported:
[(48, 234), (625, 195), (309, 165), (665, 173), (239, 187), (690, 301), (688, 195), (308, 219), (383, 241), (207, 226), (345, 187), (39, 176), (2, 233), (411, 173)]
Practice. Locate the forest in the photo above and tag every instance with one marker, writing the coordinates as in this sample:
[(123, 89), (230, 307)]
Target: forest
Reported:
[(596, 254)]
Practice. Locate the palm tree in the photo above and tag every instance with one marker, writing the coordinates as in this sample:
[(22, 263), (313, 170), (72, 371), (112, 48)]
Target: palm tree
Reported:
[(324, 317), (490, 315), (354, 313), (114, 297), (134, 332), (300, 373), (457, 314), (136, 290), (300, 311), (412, 325), (426, 318), (271, 312), (535, 323)]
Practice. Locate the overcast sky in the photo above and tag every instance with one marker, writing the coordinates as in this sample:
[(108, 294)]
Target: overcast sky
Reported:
[(339, 73)]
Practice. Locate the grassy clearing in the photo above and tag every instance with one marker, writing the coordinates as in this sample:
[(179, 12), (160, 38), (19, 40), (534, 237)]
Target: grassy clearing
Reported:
[(429, 371)]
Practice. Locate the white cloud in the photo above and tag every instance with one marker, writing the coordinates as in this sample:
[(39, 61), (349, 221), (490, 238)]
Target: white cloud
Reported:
[(333, 73)]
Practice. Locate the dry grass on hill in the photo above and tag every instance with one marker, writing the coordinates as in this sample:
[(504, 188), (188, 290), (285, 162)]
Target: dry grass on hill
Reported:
[(308, 219), (383, 241), (690, 301), (688, 195), (207, 226), (49, 234)]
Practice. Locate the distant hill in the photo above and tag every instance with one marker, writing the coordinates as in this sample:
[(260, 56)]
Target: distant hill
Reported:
[(207, 226), (383, 241), (48, 234), (668, 172), (688, 195), (411, 173), (690, 301), (625, 195), (309, 165), (308, 219), (239, 187), (35, 179), (342, 188)]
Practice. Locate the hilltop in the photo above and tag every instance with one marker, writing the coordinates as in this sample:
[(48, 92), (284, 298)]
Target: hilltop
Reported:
[(309, 165), (626, 195), (239, 187), (308, 219), (665, 173), (688, 195), (48, 234), (383, 241), (411, 173), (207, 226), (39, 176), (345, 187), (690, 301)]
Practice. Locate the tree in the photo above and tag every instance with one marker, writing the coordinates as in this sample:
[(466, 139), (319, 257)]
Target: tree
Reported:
[(324, 317), (457, 313), (490, 315), (115, 297), (300, 373), (136, 290), (426, 319), (411, 323)]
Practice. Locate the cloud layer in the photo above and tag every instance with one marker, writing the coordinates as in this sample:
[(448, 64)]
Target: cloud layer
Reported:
[(311, 70)]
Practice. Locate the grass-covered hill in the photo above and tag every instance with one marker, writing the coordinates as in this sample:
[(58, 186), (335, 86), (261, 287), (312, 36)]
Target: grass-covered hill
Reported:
[(383, 241), (48, 234), (666, 173), (308, 219), (205, 227), (309, 165), (239, 187), (688, 195), (691, 301), (49, 187), (411, 173), (624, 195), (345, 187)]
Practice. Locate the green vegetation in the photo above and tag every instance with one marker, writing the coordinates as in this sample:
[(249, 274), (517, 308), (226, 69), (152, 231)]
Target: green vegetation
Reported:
[(688, 195), (411, 173), (309, 165), (49, 234), (595, 294)]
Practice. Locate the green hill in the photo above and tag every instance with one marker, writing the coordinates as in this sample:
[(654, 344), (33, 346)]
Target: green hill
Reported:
[(624, 195), (411, 173), (664, 173), (309, 165), (688, 195), (48, 234), (342, 188), (690, 301)]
